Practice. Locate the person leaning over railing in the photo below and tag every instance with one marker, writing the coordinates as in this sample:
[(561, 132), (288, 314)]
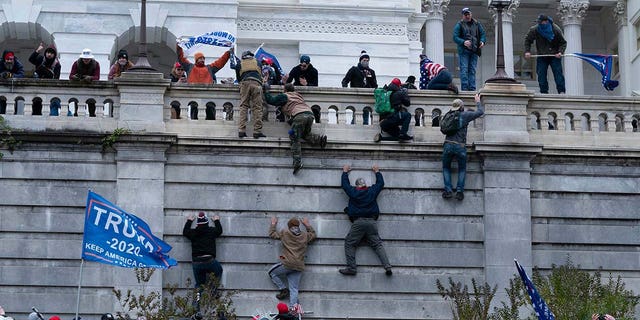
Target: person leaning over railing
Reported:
[(11, 66), (47, 64)]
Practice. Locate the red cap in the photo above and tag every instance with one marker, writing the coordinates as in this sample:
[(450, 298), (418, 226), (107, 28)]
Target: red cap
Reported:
[(54, 318), (177, 65), (8, 55), (283, 308), (396, 81)]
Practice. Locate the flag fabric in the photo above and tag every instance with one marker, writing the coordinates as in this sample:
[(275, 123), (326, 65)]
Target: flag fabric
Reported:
[(602, 63), (113, 236), (542, 310), (214, 38), (261, 53)]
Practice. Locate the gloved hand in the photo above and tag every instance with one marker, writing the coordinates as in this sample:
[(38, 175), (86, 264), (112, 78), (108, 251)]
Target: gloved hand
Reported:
[(6, 75)]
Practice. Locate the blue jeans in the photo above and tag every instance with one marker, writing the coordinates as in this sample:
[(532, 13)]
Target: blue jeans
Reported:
[(278, 271), (451, 150), (441, 81), (542, 64), (202, 269), (391, 124), (468, 64)]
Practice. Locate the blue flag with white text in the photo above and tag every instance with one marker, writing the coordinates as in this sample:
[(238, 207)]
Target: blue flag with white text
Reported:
[(542, 310), (602, 63), (261, 53), (113, 236)]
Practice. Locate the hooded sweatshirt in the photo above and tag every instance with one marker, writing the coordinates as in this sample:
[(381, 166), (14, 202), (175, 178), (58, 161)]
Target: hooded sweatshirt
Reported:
[(46, 68), (294, 246)]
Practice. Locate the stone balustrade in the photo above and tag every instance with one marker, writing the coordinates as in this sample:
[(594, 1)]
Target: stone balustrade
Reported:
[(344, 114)]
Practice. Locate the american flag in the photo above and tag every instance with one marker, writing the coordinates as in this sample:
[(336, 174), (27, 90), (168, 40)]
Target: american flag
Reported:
[(542, 310)]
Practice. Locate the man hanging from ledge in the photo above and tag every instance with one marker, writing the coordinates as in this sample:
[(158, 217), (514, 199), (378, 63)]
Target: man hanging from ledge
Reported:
[(301, 120), (363, 212)]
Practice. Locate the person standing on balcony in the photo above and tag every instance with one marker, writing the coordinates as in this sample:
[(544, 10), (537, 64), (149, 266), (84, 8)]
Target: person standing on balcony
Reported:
[(434, 76), (361, 76), (470, 37), (249, 74), (410, 83), (455, 147), (363, 213), (396, 123), (177, 73), (11, 66), (303, 74), (203, 247), (550, 44), (199, 72), (301, 119), (294, 247), (47, 65), (86, 68), (122, 64)]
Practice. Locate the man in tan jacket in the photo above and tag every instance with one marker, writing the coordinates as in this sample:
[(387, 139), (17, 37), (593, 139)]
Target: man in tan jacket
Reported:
[(294, 246)]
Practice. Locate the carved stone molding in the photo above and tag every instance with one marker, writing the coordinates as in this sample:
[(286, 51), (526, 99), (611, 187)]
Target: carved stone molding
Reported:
[(413, 35), (306, 26), (435, 8), (507, 13), (572, 11), (21, 11), (620, 13)]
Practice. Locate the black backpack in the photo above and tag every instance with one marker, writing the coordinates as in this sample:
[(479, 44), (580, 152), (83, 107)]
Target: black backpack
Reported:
[(450, 122)]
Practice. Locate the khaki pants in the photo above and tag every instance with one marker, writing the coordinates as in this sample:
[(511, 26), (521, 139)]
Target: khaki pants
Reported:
[(250, 97)]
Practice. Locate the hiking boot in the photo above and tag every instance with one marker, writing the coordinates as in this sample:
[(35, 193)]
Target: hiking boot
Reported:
[(405, 137), (348, 272), (459, 195), (283, 294), (258, 135), (323, 142), (296, 167), (377, 137), (242, 134), (447, 194), (388, 271), (452, 87)]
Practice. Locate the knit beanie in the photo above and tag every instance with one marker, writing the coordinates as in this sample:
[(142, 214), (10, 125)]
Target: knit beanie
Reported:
[(363, 54), (198, 55), (123, 54), (293, 222), (396, 81), (202, 219), (305, 59), (282, 308)]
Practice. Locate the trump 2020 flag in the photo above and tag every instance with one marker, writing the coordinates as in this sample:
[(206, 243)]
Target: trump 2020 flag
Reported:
[(113, 236), (602, 63), (541, 308), (214, 38), (261, 53)]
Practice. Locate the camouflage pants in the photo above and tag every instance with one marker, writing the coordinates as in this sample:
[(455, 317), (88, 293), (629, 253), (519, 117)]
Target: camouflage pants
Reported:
[(301, 129), (250, 97)]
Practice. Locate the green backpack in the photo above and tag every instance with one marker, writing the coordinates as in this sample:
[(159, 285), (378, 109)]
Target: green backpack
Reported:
[(450, 122), (383, 103)]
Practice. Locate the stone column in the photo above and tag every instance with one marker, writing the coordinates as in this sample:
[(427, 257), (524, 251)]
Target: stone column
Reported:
[(572, 12), (140, 183), (435, 11), (624, 47), (416, 21), (507, 34), (506, 155), (142, 101)]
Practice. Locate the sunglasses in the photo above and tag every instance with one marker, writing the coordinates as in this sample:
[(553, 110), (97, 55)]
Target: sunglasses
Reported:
[(179, 69)]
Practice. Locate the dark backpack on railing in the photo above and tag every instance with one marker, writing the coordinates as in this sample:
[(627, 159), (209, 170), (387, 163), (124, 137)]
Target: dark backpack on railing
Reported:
[(450, 122)]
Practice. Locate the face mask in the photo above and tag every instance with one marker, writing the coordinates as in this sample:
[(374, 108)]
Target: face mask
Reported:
[(364, 64)]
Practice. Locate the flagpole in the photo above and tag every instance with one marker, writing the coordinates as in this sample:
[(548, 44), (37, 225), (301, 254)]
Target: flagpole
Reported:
[(79, 285), (262, 44), (564, 55)]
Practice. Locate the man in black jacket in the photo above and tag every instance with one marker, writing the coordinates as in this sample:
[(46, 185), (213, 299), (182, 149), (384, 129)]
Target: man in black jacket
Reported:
[(47, 64), (363, 212), (203, 247), (396, 123), (303, 74), (361, 76)]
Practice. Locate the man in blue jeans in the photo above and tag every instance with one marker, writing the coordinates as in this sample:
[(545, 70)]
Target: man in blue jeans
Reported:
[(455, 147), (550, 43), (203, 247), (470, 37)]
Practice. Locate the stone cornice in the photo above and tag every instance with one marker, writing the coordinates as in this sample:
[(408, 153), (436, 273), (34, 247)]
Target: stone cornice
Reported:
[(572, 11), (307, 26)]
